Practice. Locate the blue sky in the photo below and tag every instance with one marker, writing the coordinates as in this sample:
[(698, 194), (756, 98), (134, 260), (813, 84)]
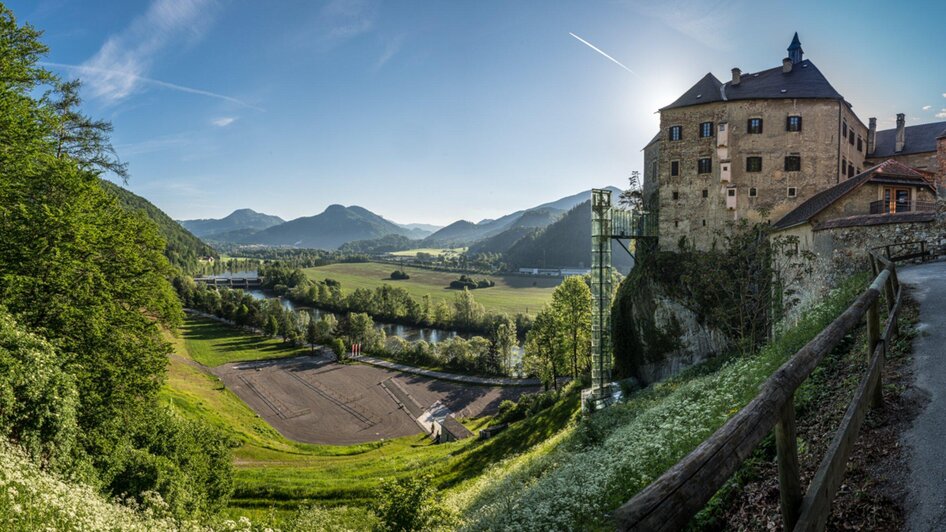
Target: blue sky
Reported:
[(436, 111)]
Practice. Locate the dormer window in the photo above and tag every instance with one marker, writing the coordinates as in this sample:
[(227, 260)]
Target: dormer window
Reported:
[(676, 132), (793, 123), (706, 130), (754, 126)]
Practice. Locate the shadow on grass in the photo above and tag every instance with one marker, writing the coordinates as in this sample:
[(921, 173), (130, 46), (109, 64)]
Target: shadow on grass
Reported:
[(226, 338)]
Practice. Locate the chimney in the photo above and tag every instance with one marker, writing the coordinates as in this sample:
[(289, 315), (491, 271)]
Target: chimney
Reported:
[(787, 65), (901, 132), (736, 76), (871, 135)]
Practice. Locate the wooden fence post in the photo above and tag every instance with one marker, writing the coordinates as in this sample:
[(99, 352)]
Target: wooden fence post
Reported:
[(789, 479), (891, 297), (873, 340)]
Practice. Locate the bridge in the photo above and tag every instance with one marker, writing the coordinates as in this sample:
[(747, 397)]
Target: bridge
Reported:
[(245, 283)]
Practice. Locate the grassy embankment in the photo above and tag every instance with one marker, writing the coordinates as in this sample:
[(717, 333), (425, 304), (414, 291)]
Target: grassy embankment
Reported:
[(512, 294), (274, 472), (576, 479)]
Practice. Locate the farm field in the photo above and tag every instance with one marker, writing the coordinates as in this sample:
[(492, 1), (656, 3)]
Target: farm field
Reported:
[(273, 472), (429, 251), (512, 294)]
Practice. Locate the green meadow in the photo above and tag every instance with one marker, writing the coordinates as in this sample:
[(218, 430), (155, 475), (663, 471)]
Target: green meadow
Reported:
[(512, 294)]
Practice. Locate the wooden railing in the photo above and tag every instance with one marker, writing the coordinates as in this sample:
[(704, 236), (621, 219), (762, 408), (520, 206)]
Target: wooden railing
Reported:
[(917, 249), (673, 499)]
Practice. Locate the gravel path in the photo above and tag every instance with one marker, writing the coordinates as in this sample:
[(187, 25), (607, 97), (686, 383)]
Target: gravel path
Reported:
[(926, 440)]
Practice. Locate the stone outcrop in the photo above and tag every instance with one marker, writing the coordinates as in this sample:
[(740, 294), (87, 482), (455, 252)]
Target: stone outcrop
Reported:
[(655, 336)]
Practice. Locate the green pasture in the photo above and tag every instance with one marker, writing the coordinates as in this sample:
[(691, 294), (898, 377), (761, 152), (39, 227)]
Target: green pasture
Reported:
[(212, 343), (512, 294)]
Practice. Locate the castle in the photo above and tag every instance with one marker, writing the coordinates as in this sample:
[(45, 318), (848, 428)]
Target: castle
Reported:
[(779, 145)]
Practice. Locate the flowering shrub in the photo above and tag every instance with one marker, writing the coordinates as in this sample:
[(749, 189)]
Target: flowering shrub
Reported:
[(577, 478), (37, 398)]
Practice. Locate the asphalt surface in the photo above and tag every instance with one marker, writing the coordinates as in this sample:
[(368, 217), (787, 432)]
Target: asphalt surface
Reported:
[(926, 440)]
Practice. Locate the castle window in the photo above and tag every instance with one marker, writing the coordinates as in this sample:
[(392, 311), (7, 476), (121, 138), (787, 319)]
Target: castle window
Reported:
[(860, 143), (843, 166), (753, 164), (850, 170), (792, 163), (850, 137), (704, 165), (676, 223), (731, 192), (843, 129), (705, 193), (704, 223), (754, 126), (676, 132), (792, 192), (674, 168), (793, 123), (753, 192), (653, 169), (676, 195), (706, 129)]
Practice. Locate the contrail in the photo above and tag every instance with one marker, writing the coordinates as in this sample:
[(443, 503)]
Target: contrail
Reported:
[(595, 48), (159, 83)]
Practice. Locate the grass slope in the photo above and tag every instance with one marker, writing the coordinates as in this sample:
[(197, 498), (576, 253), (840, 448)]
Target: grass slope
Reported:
[(512, 294), (274, 472), (574, 483), (212, 343)]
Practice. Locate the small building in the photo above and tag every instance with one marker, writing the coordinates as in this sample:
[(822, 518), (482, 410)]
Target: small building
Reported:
[(888, 194), (922, 147), (449, 429)]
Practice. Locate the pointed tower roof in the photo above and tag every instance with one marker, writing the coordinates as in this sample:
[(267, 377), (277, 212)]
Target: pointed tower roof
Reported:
[(794, 50)]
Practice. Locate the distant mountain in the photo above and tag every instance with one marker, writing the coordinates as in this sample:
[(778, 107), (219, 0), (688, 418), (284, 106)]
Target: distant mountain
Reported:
[(183, 249), (464, 233), (527, 223), (422, 230), (239, 219), (565, 243), (335, 226)]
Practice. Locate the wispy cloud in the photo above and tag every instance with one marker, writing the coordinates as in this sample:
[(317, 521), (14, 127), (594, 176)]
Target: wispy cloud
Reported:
[(595, 48), (391, 48), (334, 24), (941, 114), (705, 22), (121, 65), (927, 107), (223, 121), (98, 73)]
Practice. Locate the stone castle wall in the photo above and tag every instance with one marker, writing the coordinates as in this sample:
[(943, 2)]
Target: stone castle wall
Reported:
[(696, 217)]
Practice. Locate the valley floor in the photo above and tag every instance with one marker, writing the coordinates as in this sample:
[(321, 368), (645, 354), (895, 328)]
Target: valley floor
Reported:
[(512, 294)]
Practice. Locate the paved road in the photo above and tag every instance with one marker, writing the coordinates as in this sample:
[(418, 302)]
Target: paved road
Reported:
[(927, 439), (467, 379)]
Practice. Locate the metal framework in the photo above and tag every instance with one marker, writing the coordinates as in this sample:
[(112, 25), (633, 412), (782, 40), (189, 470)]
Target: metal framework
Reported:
[(608, 223)]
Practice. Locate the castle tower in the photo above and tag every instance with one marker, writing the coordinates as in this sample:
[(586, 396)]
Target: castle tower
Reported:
[(794, 50)]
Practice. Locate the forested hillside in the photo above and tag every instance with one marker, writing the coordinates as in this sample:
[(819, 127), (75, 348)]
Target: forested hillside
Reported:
[(565, 243), (85, 303), (183, 249)]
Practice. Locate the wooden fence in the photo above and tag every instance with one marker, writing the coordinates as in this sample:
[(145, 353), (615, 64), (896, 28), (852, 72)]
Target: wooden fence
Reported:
[(673, 499)]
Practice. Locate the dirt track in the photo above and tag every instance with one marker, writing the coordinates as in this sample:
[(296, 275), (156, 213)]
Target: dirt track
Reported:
[(313, 400)]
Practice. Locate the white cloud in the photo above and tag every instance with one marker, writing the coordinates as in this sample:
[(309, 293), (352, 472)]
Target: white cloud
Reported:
[(391, 48), (944, 95), (122, 63), (927, 107), (941, 114), (223, 121)]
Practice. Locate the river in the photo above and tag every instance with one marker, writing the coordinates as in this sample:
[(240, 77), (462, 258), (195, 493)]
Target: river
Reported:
[(410, 333)]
